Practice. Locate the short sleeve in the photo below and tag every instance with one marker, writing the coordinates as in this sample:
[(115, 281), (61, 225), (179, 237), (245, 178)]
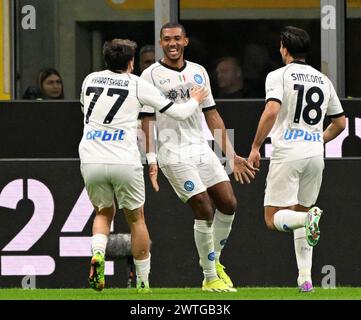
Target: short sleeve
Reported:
[(146, 76), (83, 89), (150, 96), (208, 103), (334, 108), (82, 93), (274, 87)]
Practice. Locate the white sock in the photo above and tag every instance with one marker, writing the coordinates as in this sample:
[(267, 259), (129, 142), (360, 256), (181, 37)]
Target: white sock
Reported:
[(142, 269), (222, 226), (303, 255), (287, 220), (203, 236), (99, 243)]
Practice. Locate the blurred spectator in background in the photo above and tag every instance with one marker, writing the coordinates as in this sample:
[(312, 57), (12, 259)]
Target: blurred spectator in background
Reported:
[(49, 86), (229, 79), (256, 65), (146, 57)]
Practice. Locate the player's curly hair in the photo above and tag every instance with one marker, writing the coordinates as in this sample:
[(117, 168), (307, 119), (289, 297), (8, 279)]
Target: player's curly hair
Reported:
[(118, 53)]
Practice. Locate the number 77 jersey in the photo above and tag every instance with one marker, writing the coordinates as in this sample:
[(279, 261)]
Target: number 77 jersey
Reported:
[(306, 97), (112, 102)]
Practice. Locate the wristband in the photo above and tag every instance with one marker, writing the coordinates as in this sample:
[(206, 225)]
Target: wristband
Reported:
[(151, 158)]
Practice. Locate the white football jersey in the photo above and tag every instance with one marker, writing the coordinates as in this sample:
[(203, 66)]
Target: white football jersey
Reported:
[(179, 139), (306, 97), (112, 102)]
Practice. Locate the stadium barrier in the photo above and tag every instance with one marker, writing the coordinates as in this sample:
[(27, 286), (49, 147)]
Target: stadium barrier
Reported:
[(46, 217), (53, 129)]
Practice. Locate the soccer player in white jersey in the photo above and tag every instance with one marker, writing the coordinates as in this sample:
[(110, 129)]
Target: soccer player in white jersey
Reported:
[(298, 97), (185, 158), (110, 159)]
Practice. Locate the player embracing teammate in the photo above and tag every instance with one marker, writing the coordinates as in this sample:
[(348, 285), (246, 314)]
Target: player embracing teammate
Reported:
[(185, 158)]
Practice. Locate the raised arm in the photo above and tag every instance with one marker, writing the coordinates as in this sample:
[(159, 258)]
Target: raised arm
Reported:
[(150, 96)]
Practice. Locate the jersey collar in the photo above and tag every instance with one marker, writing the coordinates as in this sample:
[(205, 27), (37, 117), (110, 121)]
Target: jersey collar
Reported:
[(298, 62), (172, 68)]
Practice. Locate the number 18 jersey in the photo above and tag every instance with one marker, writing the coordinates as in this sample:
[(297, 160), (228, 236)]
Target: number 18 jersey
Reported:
[(306, 97)]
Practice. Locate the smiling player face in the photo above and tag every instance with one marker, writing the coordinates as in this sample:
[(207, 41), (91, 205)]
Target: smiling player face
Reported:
[(172, 42)]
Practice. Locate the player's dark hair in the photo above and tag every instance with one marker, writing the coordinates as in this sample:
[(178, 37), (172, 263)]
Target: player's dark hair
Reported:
[(297, 41), (172, 25), (118, 53)]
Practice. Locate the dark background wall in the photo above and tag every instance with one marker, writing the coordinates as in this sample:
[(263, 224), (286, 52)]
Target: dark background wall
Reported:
[(47, 129), (254, 256)]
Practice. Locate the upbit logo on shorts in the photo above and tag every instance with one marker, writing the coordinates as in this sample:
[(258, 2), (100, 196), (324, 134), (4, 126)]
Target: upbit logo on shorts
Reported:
[(189, 185), (104, 135), (198, 79), (299, 134)]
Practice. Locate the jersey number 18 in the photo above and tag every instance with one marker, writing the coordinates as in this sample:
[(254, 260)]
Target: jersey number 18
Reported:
[(310, 105)]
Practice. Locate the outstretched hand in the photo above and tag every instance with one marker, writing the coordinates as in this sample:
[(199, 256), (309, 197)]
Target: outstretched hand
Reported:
[(254, 158), (242, 170), (153, 175)]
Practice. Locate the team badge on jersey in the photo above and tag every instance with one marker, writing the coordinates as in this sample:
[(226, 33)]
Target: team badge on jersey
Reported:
[(198, 79), (189, 185)]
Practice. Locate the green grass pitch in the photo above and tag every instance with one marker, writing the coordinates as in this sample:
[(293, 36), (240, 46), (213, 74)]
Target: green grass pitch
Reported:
[(341, 293)]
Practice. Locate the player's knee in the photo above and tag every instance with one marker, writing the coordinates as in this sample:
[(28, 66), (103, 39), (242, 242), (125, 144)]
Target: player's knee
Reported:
[(228, 205), (141, 253), (202, 207)]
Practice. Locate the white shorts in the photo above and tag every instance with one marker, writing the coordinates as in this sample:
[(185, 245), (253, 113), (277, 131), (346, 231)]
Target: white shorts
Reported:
[(195, 176), (103, 181), (294, 182)]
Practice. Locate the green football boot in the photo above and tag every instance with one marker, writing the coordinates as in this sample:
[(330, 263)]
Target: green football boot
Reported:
[(216, 285), (143, 287), (312, 226), (96, 276), (223, 275)]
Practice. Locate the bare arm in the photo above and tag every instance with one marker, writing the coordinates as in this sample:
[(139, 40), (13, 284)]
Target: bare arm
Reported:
[(219, 132), (336, 126), (148, 124), (242, 170), (265, 126)]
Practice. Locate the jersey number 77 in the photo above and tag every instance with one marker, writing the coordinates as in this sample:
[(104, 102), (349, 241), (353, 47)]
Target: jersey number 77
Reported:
[(123, 94)]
